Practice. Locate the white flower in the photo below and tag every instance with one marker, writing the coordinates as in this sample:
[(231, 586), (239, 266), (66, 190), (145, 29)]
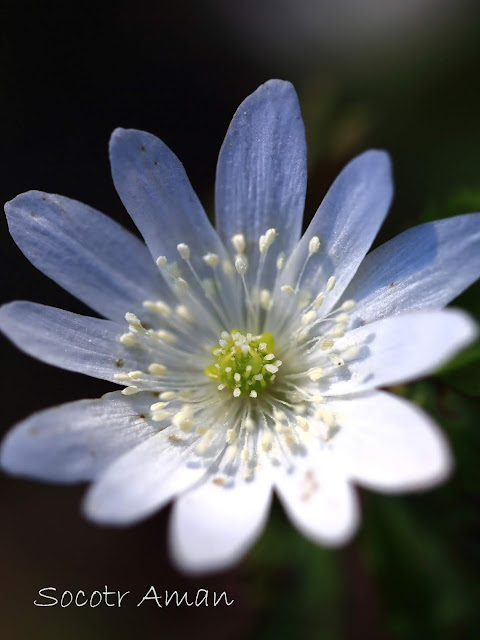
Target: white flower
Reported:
[(250, 358)]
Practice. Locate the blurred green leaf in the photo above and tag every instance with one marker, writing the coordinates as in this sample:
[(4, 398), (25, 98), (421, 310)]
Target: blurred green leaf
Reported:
[(425, 594), (465, 200), (296, 585)]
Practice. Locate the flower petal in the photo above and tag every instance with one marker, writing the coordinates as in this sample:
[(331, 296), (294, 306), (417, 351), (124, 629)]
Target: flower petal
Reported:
[(389, 444), (400, 348), (156, 192), (422, 268), (318, 498), (142, 481), (262, 170), (346, 224), (212, 526), (78, 440), (68, 340), (87, 253)]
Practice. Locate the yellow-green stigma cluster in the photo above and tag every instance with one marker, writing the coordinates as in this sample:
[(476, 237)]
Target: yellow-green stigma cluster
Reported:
[(244, 362)]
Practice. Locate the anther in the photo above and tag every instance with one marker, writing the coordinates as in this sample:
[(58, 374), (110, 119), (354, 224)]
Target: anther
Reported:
[(161, 261), (184, 313), (241, 265), (160, 416), (158, 307), (230, 436), (167, 395), (157, 369), (181, 285), (128, 339), (166, 336), (265, 299), (231, 452), (315, 374), (266, 240), (331, 282), (308, 318), (238, 241), (156, 406), (130, 391), (286, 288), (350, 353), (271, 368), (267, 441), (211, 259), (133, 321), (327, 343), (184, 250), (314, 245), (280, 261), (302, 423)]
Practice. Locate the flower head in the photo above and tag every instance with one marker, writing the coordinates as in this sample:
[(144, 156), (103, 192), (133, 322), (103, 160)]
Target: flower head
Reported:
[(250, 358)]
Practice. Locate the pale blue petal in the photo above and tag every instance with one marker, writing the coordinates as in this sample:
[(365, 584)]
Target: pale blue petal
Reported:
[(346, 224), (423, 268), (68, 340), (262, 170), (142, 481), (317, 497), (87, 253), (213, 525), (76, 441), (398, 349), (156, 192), (388, 444)]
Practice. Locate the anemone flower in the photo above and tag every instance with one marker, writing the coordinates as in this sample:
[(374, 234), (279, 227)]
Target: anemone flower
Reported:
[(250, 357)]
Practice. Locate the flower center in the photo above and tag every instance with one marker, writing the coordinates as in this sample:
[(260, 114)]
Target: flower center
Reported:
[(244, 362)]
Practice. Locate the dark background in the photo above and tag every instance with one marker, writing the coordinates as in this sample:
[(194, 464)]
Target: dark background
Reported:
[(403, 80)]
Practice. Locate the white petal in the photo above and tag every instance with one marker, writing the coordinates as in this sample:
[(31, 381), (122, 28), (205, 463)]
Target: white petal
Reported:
[(142, 481), (156, 192), (318, 498), (346, 224), (422, 268), (69, 340), (262, 172), (389, 444), (78, 440), (399, 349), (87, 253), (212, 526)]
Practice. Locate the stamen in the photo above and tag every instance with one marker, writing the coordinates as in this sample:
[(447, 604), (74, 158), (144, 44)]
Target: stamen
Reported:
[(238, 241), (280, 263), (130, 391), (211, 259), (330, 284), (314, 245), (286, 288), (241, 265), (184, 250)]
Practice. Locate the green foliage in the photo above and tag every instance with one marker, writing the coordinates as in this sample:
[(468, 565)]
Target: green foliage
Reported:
[(296, 585)]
